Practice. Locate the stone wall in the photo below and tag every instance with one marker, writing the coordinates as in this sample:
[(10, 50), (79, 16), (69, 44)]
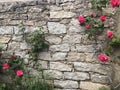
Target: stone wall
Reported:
[(71, 60)]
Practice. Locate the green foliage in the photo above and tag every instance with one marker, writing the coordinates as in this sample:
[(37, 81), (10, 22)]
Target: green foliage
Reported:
[(27, 83), (37, 41), (115, 42), (99, 4), (96, 27), (103, 88)]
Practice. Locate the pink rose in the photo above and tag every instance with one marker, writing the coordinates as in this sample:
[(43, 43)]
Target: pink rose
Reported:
[(103, 57), (5, 66), (110, 34), (87, 26), (19, 73), (81, 19), (102, 18), (114, 3), (12, 57)]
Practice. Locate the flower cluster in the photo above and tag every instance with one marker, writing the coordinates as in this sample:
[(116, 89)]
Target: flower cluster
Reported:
[(14, 64), (93, 27)]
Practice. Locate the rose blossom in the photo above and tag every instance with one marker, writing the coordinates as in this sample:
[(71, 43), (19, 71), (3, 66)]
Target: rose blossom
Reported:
[(110, 34), (114, 3), (87, 26), (11, 56), (19, 73), (103, 18), (103, 57), (81, 19), (5, 66)]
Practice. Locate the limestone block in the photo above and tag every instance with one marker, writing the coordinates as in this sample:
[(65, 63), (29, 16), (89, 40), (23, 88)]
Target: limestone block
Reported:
[(45, 56), (61, 47), (87, 48), (56, 28), (53, 74), (97, 78), (60, 66), (76, 76), (72, 39), (53, 39), (91, 86), (4, 39), (67, 84), (6, 30), (74, 56), (99, 68), (59, 56), (61, 14)]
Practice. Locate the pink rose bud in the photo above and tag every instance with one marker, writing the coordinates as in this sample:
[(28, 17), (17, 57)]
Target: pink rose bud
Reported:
[(12, 57), (19, 73), (81, 19), (103, 18), (114, 3), (5, 66), (110, 34), (87, 26), (103, 58), (92, 15)]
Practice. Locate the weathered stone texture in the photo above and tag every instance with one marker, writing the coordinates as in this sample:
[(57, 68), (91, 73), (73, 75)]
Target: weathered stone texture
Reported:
[(56, 28), (76, 76), (91, 86), (66, 84), (60, 66)]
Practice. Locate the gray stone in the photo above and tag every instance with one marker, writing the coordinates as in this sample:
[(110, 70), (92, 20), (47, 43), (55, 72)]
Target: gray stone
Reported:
[(56, 28), (5, 39), (17, 38), (87, 48), (43, 64), (61, 47), (61, 14), (72, 39), (14, 46), (60, 66), (26, 61), (24, 46), (91, 57), (74, 56), (45, 56), (97, 78), (53, 74), (59, 56), (68, 84), (55, 8), (76, 76), (99, 68), (53, 39), (74, 27), (35, 73), (91, 86), (6, 30)]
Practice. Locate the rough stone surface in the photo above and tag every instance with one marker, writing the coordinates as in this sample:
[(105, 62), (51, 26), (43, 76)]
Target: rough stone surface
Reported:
[(61, 14), (76, 76), (53, 39), (60, 66), (62, 47), (53, 74), (80, 66), (59, 56), (56, 28), (45, 56), (99, 78), (4, 39), (6, 30), (91, 86), (66, 84)]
